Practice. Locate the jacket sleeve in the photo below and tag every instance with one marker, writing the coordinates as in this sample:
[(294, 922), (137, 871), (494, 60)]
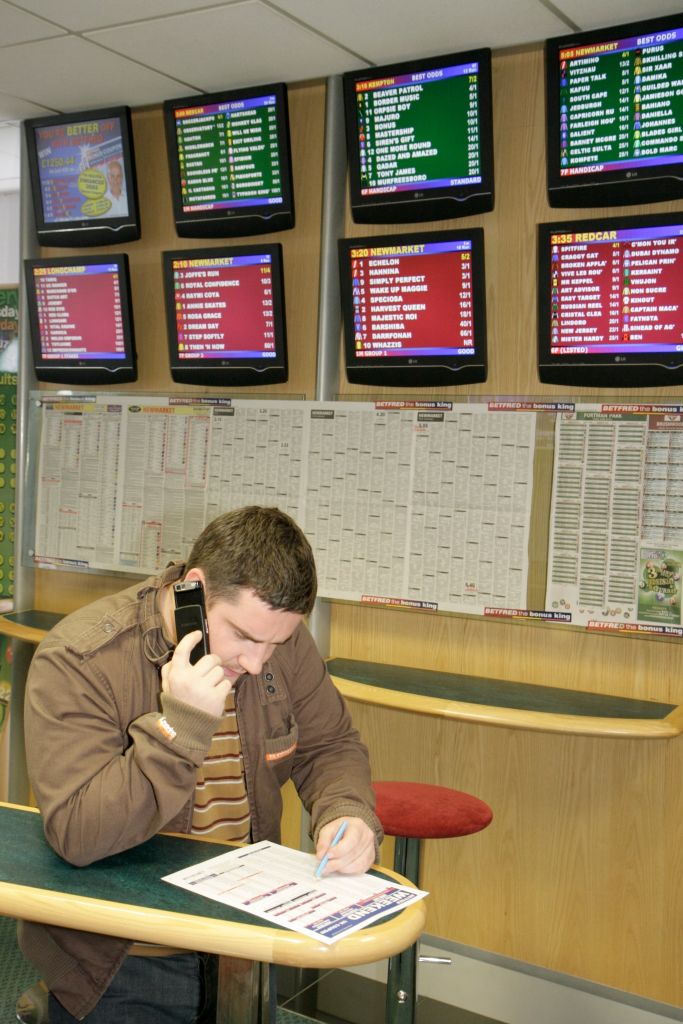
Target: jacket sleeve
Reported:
[(110, 764), (331, 768)]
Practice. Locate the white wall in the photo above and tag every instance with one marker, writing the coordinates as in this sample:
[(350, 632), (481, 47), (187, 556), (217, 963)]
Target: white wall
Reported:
[(10, 260)]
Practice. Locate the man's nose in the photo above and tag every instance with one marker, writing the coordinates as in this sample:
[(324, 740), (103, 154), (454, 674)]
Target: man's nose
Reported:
[(252, 661)]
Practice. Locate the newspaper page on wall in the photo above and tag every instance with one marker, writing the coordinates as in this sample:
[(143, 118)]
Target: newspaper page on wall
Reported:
[(616, 532), (421, 504)]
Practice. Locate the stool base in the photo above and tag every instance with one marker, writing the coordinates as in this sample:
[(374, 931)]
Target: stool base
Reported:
[(402, 972)]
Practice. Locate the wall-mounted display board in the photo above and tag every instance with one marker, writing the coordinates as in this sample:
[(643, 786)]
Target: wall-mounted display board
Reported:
[(563, 512)]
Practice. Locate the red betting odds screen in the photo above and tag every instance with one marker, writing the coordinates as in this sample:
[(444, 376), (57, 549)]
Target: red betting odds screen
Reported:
[(617, 291), (79, 312), (224, 307), (413, 299)]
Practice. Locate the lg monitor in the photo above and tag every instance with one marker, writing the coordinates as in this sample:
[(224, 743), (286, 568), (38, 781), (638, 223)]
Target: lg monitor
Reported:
[(414, 309), (615, 114), (225, 314), (80, 319), (419, 139), (82, 173), (230, 162), (610, 302)]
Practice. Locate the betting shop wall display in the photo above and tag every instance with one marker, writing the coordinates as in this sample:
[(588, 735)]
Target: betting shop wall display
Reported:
[(422, 504), (416, 504)]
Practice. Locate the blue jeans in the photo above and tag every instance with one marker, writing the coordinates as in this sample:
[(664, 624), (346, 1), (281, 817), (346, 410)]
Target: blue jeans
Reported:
[(153, 990)]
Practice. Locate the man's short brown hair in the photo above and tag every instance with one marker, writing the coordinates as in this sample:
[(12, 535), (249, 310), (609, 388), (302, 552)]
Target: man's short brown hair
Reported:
[(259, 549)]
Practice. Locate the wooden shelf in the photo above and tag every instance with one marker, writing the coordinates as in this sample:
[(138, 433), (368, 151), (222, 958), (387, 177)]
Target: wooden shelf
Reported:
[(30, 625), (502, 703)]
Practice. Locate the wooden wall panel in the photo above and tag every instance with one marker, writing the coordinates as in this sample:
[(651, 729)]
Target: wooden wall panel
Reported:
[(580, 870)]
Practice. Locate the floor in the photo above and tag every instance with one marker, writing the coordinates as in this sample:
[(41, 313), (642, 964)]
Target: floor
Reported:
[(16, 975), (335, 988)]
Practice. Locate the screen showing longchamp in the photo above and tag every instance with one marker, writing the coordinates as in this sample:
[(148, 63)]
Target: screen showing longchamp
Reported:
[(80, 319), (414, 309), (610, 302)]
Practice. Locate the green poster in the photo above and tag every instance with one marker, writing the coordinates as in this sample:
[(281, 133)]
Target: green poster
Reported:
[(659, 586), (9, 359)]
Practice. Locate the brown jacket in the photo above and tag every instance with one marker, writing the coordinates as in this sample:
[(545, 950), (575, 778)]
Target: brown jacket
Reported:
[(112, 760)]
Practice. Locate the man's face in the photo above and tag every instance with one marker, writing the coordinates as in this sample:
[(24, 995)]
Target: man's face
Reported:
[(115, 178), (244, 632)]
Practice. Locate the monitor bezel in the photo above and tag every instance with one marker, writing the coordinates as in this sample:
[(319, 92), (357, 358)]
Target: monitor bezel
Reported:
[(617, 370), (416, 372), (86, 232), (75, 371), (242, 221), (418, 205), (230, 373), (616, 187)]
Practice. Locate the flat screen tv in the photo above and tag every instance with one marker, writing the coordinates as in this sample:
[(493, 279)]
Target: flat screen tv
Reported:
[(615, 114), (80, 319), (414, 309), (419, 139), (610, 300), (225, 313), (230, 162), (82, 173)]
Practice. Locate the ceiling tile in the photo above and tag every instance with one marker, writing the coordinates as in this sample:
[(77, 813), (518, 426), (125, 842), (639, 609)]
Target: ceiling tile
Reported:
[(386, 30), (83, 76), (80, 15), (12, 108), (241, 44), (589, 14), (19, 27)]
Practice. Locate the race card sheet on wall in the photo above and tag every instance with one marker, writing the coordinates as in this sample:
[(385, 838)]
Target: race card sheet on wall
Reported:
[(616, 531), (421, 504)]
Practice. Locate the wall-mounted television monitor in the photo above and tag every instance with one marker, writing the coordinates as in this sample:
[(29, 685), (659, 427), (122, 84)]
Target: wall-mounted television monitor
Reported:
[(414, 309), (419, 139), (230, 162), (82, 172), (80, 319), (614, 110), (610, 298), (225, 313)]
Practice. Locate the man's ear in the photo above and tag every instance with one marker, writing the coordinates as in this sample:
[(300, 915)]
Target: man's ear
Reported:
[(196, 574)]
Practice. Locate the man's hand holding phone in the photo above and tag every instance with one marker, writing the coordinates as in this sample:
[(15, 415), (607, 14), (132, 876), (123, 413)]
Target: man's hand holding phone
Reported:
[(202, 685), (193, 675)]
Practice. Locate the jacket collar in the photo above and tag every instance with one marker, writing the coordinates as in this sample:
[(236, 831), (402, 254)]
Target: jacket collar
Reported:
[(156, 645)]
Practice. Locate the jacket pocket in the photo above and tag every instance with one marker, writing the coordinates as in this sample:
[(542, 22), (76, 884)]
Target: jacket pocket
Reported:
[(280, 751)]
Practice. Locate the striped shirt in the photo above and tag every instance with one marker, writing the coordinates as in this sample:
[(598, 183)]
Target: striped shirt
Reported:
[(221, 807)]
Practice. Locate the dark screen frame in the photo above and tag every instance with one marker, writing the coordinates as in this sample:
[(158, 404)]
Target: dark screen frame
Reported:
[(228, 372), (85, 371), (594, 369), (244, 220), (86, 232), (420, 204), (426, 371), (614, 187)]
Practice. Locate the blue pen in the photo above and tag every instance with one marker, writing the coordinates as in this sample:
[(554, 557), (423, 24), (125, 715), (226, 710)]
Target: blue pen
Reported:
[(323, 863)]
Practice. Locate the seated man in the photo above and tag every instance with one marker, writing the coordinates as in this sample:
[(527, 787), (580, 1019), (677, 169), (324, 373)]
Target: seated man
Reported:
[(125, 737)]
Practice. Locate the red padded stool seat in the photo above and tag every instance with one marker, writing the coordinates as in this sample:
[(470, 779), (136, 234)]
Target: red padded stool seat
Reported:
[(411, 811), (417, 810)]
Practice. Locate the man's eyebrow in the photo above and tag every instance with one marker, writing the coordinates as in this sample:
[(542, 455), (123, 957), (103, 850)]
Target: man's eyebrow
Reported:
[(245, 636)]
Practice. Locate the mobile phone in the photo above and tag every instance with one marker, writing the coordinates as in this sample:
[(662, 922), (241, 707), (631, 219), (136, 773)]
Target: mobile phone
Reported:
[(190, 614)]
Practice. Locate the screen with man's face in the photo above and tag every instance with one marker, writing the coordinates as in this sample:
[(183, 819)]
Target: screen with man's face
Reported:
[(81, 170)]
